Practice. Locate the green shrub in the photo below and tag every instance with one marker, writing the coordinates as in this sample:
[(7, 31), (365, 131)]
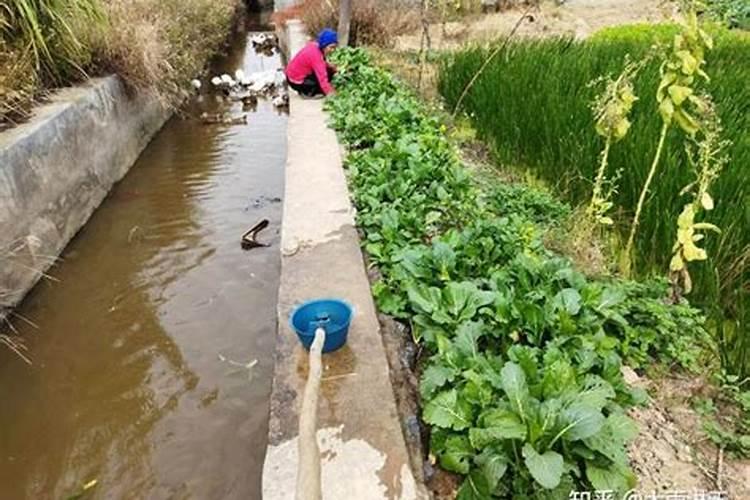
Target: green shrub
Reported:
[(531, 104), (735, 13), (533, 204)]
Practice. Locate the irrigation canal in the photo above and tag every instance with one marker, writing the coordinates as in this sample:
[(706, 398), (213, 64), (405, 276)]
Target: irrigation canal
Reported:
[(152, 348)]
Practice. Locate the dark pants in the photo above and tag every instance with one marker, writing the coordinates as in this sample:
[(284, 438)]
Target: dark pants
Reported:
[(310, 86)]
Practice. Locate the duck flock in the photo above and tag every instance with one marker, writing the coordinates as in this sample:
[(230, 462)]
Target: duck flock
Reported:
[(247, 88)]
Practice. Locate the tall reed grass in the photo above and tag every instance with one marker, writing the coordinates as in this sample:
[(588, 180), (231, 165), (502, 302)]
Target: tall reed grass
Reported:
[(155, 45), (43, 43), (55, 33), (532, 105)]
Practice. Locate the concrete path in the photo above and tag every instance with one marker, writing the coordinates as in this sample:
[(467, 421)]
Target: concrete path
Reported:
[(363, 452)]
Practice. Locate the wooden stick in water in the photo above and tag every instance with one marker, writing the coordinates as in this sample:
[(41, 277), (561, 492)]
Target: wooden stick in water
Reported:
[(308, 474)]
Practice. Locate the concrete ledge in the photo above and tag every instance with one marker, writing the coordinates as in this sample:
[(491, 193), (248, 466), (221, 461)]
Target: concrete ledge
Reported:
[(56, 169), (363, 452)]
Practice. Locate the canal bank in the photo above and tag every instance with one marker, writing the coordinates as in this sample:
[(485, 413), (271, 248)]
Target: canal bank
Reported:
[(152, 348), (56, 169), (363, 452)]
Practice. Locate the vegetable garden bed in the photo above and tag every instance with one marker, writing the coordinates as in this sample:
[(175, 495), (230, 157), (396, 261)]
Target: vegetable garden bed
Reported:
[(521, 362), (542, 120)]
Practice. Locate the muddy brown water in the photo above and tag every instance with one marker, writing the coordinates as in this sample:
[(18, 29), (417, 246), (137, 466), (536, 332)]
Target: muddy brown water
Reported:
[(152, 349)]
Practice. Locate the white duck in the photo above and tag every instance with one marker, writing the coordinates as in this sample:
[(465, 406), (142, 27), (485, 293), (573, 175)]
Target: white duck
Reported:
[(227, 80), (258, 39), (263, 81)]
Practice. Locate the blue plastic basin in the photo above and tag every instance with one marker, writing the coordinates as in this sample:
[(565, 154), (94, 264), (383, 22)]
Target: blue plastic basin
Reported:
[(333, 315)]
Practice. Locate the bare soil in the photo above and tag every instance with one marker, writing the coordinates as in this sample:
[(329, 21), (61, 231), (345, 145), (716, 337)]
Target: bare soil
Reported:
[(578, 18), (671, 453)]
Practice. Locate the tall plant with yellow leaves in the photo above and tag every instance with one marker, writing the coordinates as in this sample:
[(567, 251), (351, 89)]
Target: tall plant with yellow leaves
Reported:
[(678, 103), (708, 159), (611, 111)]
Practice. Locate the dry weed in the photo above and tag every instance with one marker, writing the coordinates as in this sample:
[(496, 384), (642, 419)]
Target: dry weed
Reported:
[(584, 242), (18, 83), (158, 45), (373, 22)]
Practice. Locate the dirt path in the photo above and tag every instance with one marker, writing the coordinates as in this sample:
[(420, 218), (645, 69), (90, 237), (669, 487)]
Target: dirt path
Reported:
[(579, 18), (671, 453)]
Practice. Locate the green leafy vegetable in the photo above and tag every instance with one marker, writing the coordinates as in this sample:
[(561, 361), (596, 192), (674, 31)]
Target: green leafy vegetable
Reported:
[(521, 379)]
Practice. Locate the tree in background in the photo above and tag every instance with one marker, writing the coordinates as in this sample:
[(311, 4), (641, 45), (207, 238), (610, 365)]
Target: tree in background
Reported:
[(345, 20)]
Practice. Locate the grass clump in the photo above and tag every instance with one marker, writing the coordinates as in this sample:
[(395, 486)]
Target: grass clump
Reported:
[(155, 45), (521, 380), (530, 105), (56, 34), (18, 82), (159, 45), (43, 43)]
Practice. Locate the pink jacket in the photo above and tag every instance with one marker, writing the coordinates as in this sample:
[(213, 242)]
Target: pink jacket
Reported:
[(308, 60)]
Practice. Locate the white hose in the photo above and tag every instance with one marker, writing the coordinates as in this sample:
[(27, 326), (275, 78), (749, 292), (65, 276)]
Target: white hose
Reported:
[(308, 474)]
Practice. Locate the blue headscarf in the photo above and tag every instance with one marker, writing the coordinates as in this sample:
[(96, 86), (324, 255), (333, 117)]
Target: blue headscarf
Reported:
[(327, 37)]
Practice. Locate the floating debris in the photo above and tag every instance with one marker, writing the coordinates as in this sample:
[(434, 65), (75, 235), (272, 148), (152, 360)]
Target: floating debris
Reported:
[(266, 81), (262, 201), (248, 88), (241, 78), (196, 84), (260, 39), (82, 492), (133, 231), (242, 366), (249, 239)]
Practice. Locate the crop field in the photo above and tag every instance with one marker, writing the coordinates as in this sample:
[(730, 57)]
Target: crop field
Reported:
[(520, 371), (532, 104)]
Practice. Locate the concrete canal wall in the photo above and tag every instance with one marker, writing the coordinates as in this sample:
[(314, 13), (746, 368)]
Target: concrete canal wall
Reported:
[(58, 167), (363, 451)]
